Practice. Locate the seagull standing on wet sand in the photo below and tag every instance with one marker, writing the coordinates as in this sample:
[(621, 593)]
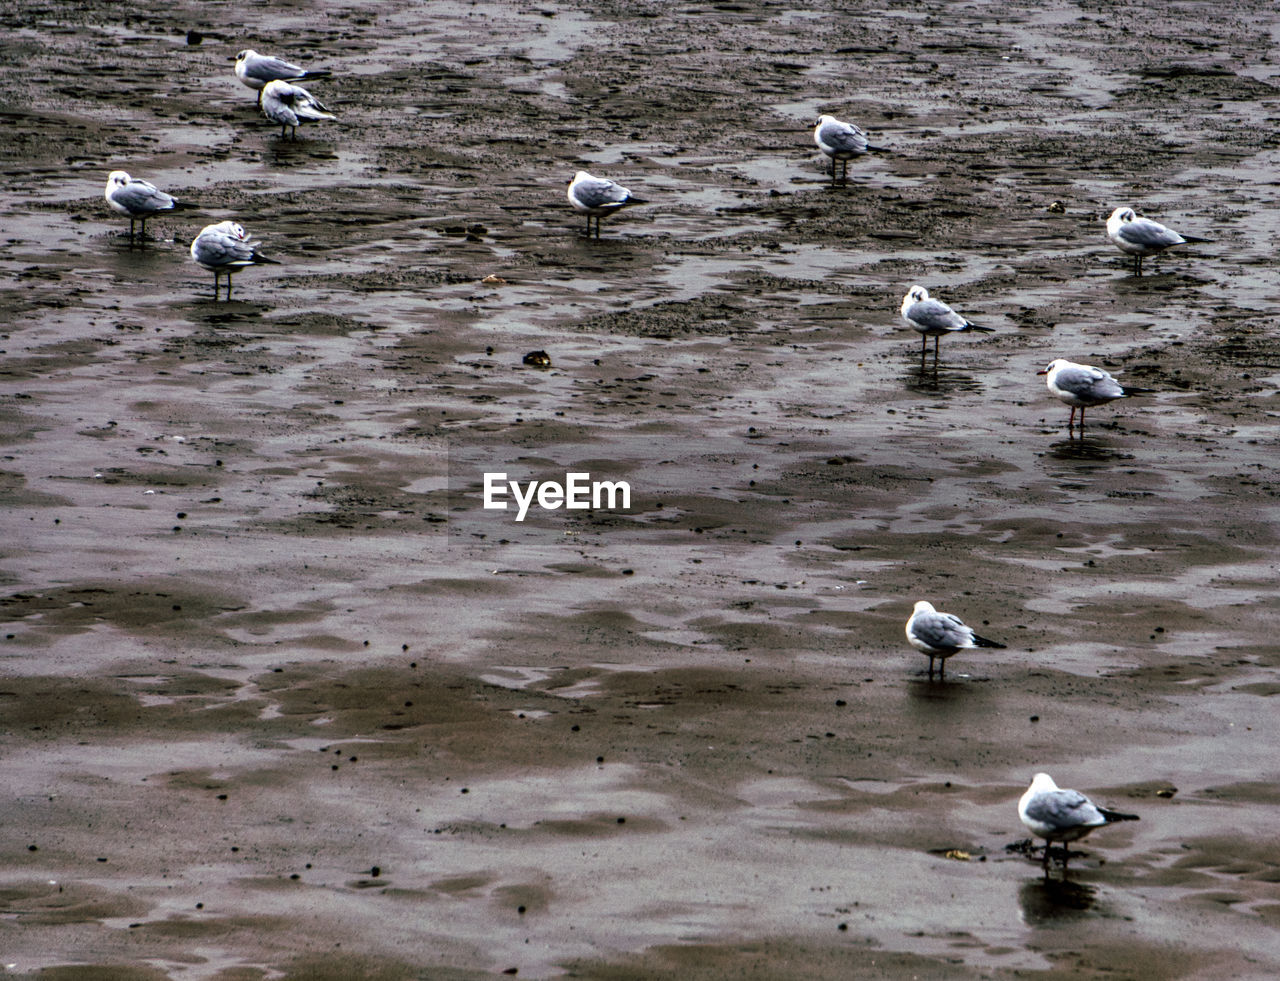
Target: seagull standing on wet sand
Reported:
[(256, 70), (1141, 237), (597, 197), (1083, 385), (136, 198), (290, 105), (226, 248), (939, 635), (840, 142), (1054, 814), (933, 318)]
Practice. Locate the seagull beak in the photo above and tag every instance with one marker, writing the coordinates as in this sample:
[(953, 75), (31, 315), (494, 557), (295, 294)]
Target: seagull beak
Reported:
[(1042, 372)]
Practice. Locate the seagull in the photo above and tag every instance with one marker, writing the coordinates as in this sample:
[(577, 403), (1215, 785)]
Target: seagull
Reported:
[(1083, 385), (940, 635), (598, 196), (1141, 237), (136, 198), (256, 70), (289, 105), (226, 248), (1054, 814), (841, 142), (933, 318)]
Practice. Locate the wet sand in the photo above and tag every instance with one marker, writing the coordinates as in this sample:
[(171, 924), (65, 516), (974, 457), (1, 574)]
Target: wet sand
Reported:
[(280, 698)]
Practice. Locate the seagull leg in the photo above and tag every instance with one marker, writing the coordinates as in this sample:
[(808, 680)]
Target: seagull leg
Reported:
[(228, 285), (142, 231)]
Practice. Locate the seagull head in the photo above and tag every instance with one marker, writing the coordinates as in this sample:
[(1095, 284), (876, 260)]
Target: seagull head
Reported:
[(1041, 783), (1121, 216), (1048, 369), (923, 606), (244, 55), (232, 228), (118, 178), (917, 294)]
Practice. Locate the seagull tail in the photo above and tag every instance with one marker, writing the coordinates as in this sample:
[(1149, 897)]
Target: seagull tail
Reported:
[(1197, 239), (983, 642), (881, 149), (185, 206), (979, 327), (318, 73), (1128, 390), (635, 200), (258, 258), (1112, 816)]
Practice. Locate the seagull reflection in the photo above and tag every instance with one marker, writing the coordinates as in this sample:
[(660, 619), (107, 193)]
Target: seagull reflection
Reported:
[(1045, 902)]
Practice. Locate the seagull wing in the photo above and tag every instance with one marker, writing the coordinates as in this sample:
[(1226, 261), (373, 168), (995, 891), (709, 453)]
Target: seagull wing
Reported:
[(598, 192), (1062, 810), (142, 198), (1148, 234), (942, 631), (843, 137), (934, 315)]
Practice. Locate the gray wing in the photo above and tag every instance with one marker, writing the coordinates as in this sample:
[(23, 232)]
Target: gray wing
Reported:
[(843, 139), (308, 106), (942, 630), (600, 193), (935, 315), (1063, 810), (1089, 384), (1149, 234), (142, 198), (217, 250), (265, 69)]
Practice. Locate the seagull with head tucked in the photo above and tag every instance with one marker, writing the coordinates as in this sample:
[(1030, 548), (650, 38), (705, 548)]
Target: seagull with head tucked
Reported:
[(136, 198), (1054, 814), (1140, 237), (933, 318), (226, 248), (840, 142), (939, 635), (597, 197), (291, 105)]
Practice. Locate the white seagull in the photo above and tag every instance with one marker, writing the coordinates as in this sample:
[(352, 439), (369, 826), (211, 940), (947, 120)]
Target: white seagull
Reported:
[(226, 248), (1083, 385), (841, 142), (1054, 814), (290, 105), (1141, 237), (940, 635), (933, 318), (136, 198), (597, 197), (256, 70)]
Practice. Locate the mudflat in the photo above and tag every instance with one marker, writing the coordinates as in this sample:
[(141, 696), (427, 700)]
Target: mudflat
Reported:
[(281, 698)]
